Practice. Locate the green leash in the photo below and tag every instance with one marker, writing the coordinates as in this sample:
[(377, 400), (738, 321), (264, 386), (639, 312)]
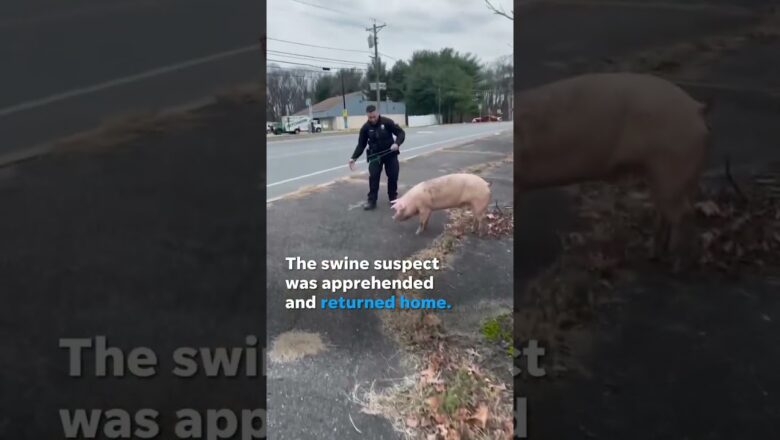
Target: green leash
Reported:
[(377, 156)]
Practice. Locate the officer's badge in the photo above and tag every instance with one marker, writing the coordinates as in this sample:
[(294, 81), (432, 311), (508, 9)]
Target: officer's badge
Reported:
[(382, 126)]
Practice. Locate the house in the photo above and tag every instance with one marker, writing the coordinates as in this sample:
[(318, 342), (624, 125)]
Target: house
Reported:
[(329, 111)]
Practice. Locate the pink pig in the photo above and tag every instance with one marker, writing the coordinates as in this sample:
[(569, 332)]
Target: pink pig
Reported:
[(448, 191), (604, 126)]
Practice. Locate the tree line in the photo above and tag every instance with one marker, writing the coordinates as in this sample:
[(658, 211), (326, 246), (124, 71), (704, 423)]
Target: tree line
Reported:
[(456, 85)]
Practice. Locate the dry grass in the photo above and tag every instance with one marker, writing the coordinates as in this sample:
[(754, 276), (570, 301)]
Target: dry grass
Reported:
[(294, 345), (124, 129), (488, 166)]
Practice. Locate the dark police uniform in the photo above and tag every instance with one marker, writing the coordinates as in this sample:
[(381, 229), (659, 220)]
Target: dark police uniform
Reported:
[(379, 138)]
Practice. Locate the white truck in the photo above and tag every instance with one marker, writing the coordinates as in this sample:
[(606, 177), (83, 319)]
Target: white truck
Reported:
[(297, 124)]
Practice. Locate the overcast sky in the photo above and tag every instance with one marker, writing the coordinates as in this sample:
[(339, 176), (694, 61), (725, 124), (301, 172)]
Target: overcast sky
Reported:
[(464, 25)]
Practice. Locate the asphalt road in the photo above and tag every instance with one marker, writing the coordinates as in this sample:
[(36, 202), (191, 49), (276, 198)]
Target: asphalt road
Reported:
[(313, 160), (68, 67)]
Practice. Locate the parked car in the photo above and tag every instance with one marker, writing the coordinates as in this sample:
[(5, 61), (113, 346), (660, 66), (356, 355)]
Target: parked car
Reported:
[(489, 118)]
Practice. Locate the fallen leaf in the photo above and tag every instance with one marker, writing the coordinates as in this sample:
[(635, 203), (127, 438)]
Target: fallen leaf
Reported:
[(480, 416), (412, 422), (427, 376), (434, 402)]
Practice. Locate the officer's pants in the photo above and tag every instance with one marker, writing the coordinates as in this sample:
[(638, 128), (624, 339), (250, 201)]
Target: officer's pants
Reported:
[(390, 163)]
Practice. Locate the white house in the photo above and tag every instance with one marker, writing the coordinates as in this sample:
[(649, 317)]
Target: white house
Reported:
[(330, 111)]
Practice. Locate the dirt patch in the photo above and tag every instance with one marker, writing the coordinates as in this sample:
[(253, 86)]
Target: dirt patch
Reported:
[(294, 345)]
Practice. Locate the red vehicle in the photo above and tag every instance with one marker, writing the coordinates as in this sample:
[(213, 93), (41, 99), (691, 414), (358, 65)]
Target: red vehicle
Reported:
[(489, 118)]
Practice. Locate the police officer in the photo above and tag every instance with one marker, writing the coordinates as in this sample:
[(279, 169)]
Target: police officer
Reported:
[(382, 151)]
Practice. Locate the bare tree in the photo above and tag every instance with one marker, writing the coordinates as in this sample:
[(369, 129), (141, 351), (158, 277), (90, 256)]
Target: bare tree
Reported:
[(286, 92), (500, 10)]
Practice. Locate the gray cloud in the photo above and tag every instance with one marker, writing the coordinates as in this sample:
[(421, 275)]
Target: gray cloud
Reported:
[(467, 26)]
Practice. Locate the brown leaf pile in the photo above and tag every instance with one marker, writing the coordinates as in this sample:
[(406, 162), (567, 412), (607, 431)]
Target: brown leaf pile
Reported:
[(498, 223), (737, 234), (461, 401), (614, 238), (734, 234)]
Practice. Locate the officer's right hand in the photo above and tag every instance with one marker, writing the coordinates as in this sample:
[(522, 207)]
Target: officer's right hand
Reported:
[(352, 164)]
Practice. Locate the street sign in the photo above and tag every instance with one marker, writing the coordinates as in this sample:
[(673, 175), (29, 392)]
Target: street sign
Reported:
[(344, 113), (382, 86), (308, 101)]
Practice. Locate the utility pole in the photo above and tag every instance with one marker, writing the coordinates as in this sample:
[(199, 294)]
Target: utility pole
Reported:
[(343, 99), (374, 41), (439, 115)]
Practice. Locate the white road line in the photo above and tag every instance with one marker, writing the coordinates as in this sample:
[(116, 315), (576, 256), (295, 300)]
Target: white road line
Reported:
[(124, 80), (313, 138), (317, 150), (292, 179)]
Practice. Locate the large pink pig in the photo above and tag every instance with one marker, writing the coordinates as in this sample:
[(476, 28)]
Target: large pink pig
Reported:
[(604, 126), (448, 191)]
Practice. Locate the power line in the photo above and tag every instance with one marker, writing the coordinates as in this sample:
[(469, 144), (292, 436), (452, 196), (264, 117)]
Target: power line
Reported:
[(362, 63), (320, 7), (330, 71), (309, 65), (388, 56), (324, 8), (365, 52), (320, 47), (290, 62)]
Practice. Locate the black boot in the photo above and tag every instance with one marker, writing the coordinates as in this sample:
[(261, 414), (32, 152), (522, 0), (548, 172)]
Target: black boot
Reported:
[(369, 205)]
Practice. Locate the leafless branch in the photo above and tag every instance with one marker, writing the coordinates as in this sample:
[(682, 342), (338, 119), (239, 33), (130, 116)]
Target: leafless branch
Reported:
[(499, 10)]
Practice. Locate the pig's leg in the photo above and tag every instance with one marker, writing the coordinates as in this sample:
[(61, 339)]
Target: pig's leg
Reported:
[(479, 208), (672, 195), (425, 214)]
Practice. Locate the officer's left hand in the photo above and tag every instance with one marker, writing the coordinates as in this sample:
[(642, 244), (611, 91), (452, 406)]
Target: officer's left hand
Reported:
[(394, 147)]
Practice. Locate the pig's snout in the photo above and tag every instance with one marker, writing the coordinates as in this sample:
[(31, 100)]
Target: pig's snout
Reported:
[(401, 210)]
